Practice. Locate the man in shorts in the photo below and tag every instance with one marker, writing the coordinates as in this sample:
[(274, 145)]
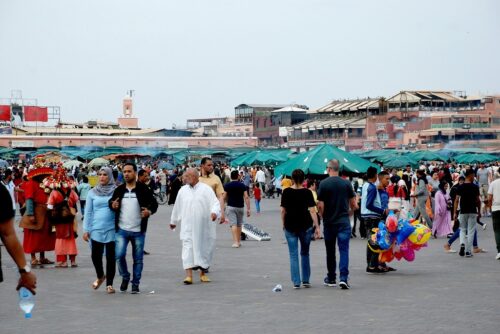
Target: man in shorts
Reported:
[(236, 195)]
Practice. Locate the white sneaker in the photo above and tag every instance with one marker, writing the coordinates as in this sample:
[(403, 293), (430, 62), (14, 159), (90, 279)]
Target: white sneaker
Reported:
[(484, 226), (497, 257)]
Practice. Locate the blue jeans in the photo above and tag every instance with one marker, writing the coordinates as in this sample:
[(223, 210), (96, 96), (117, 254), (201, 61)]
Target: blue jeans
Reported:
[(340, 231), (137, 239), (292, 240), (456, 235), (257, 205)]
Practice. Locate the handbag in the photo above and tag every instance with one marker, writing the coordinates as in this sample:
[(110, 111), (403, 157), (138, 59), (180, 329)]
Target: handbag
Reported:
[(62, 213), (40, 212), (449, 205)]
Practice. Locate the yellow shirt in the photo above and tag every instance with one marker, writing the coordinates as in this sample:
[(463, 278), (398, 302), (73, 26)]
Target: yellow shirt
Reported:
[(286, 183), (213, 181), (315, 196)]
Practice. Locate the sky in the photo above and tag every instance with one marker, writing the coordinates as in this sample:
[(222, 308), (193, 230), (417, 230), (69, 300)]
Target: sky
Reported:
[(199, 58)]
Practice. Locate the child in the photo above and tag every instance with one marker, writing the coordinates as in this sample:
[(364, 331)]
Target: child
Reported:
[(257, 195)]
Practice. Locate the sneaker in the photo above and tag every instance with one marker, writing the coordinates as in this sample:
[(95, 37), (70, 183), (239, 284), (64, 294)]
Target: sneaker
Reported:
[(375, 270), (344, 285), (306, 284), (296, 286), (462, 250), (497, 257), (135, 289), (468, 254), (329, 282), (124, 285), (448, 249), (484, 226), (235, 245)]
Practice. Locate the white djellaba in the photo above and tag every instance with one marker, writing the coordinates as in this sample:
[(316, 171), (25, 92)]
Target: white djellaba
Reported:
[(192, 210)]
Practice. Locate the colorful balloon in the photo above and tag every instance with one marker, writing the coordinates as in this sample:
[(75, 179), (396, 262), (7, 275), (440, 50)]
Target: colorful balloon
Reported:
[(373, 244), (391, 223), (383, 237), (421, 234), (404, 230), (407, 251), (386, 256)]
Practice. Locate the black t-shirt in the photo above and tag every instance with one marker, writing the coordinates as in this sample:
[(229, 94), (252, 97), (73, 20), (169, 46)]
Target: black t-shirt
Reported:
[(235, 194), (297, 203), (468, 193), (335, 192), (6, 213)]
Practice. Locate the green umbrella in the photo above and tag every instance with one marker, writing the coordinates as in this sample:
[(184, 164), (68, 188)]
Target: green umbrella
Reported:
[(475, 158), (315, 161), (397, 161), (426, 156)]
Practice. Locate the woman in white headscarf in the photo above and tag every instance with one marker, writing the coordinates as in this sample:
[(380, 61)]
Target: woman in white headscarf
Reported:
[(99, 228)]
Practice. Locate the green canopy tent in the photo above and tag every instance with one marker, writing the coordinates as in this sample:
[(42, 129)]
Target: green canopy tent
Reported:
[(316, 160), (426, 156), (475, 158), (397, 161), (371, 155), (261, 158)]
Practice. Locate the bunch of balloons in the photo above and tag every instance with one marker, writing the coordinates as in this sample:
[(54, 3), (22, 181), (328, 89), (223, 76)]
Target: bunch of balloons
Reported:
[(398, 239)]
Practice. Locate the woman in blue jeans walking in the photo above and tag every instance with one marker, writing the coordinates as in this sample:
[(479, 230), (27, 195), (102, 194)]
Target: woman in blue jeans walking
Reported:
[(300, 222)]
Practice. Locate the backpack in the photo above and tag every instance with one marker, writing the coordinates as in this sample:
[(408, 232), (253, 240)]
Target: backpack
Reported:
[(62, 213)]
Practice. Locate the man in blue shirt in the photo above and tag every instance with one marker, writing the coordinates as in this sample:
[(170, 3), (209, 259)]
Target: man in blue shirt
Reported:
[(372, 212)]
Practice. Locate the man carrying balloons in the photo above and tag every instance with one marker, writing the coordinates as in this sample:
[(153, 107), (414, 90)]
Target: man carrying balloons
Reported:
[(372, 212)]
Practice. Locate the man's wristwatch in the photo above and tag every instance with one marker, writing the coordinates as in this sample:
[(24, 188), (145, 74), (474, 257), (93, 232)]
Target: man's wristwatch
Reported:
[(26, 269)]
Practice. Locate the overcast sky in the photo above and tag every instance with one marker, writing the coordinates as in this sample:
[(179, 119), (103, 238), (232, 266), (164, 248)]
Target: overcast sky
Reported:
[(201, 58)]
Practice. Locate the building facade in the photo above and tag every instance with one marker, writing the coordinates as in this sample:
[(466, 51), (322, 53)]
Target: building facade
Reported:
[(407, 120), (267, 119), (341, 123)]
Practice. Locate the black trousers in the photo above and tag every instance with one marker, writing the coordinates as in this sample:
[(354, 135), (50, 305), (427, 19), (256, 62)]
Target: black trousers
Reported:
[(371, 257), (362, 228), (97, 253)]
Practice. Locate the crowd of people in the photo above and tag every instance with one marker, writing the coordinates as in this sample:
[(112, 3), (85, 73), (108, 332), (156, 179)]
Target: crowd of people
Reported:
[(450, 199)]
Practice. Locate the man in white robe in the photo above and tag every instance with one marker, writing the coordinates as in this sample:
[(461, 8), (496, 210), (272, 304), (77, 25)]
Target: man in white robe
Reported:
[(196, 209)]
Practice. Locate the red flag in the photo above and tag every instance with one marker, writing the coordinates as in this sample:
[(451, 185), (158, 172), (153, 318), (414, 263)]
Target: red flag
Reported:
[(5, 113), (35, 114)]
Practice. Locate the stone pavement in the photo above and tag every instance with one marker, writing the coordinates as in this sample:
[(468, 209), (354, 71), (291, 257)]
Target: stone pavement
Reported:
[(437, 293)]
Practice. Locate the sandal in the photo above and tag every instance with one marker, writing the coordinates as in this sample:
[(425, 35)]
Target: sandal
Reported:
[(46, 261), (62, 265), (205, 279), (35, 262), (110, 289), (97, 283), (74, 265), (188, 280)]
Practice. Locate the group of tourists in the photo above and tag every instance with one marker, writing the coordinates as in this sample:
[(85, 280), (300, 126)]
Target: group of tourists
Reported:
[(115, 212)]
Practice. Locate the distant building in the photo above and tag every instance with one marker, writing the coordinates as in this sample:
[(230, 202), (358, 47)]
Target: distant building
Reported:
[(419, 119), (341, 123), (219, 127), (407, 120), (127, 120), (267, 119)]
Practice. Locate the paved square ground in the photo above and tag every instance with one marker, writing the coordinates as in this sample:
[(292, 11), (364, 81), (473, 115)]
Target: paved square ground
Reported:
[(437, 293)]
